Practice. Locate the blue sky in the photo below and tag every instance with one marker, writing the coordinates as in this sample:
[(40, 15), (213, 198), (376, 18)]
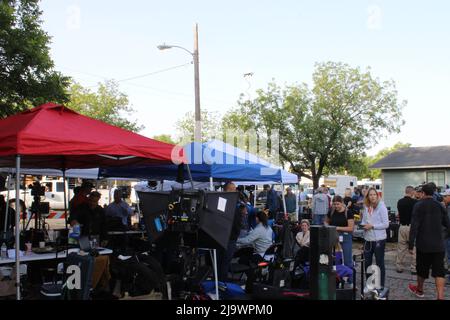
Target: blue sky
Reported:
[(407, 41)]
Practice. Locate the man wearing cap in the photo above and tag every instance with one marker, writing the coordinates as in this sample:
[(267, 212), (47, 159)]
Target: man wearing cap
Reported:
[(418, 195)]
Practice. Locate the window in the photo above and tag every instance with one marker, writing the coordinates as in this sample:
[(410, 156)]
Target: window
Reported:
[(351, 183), (438, 177), (60, 187)]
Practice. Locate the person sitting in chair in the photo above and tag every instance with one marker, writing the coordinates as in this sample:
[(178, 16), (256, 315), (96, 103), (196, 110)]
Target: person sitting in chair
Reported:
[(119, 209), (259, 238), (302, 239)]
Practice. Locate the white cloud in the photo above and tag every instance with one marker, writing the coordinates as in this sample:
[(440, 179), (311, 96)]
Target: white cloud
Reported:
[(375, 17)]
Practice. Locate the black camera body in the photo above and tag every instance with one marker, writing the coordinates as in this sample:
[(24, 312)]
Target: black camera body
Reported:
[(197, 214), (36, 189), (183, 210)]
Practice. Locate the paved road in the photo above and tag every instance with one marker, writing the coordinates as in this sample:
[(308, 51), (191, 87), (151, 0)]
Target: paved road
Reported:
[(398, 282)]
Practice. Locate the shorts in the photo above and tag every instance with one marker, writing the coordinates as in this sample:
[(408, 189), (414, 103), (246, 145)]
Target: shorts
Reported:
[(430, 260)]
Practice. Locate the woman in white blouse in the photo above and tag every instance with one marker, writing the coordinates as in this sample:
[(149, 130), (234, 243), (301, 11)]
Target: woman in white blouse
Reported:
[(302, 239)]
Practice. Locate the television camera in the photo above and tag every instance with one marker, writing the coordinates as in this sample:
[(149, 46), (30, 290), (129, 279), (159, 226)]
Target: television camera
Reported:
[(208, 215), (38, 208)]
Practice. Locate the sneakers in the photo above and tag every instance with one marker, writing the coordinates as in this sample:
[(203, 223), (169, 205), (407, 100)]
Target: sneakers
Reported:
[(413, 289)]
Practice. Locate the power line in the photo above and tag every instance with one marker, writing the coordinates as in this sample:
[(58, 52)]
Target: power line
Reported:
[(144, 86), (130, 78), (155, 72)]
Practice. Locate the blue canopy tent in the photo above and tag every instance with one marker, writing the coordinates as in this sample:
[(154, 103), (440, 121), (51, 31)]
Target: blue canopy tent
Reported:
[(211, 160)]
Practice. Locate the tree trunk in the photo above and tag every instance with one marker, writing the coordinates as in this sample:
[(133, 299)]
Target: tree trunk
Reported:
[(315, 179)]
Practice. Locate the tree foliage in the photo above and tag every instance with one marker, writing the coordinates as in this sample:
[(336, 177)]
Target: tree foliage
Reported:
[(27, 74), (323, 128), (107, 104), (164, 138), (364, 171), (211, 126)]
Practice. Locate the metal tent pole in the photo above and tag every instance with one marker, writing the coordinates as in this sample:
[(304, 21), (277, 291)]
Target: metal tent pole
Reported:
[(284, 201), (190, 175), (18, 227), (7, 203), (65, 196)]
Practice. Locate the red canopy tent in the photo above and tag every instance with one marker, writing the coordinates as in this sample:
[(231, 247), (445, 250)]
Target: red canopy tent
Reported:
[(53, 136)]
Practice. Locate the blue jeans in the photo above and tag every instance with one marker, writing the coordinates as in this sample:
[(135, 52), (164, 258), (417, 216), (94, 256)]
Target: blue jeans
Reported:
[(347, 249), (319, 219), (377, 248)]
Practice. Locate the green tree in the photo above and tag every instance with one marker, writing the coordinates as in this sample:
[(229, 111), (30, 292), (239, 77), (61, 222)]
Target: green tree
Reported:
[(323, 128), (27, 74), (211, 126), (107, 104), (164, 138)]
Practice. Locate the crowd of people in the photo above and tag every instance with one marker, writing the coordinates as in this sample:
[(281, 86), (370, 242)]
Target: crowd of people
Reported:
[(95, 221), (423, 216)]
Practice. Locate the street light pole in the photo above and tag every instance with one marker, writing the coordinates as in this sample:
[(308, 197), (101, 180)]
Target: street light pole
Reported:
[(198, 123), (198, 120)]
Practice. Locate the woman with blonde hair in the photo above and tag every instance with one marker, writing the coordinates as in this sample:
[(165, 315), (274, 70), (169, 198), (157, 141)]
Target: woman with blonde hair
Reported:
[(375, 221), (302, 239)]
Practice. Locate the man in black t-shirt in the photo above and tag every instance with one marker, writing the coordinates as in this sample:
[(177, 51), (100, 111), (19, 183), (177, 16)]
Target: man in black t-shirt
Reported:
[(429, 220), (405, 208)]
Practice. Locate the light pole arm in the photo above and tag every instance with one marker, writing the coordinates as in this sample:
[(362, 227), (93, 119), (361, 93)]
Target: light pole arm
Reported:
[(169, 46)]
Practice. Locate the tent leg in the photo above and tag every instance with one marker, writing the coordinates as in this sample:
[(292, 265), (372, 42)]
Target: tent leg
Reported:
[(190, 175), (65, 196), (211, 184), (284, 201), (7, 204), (216, 279), (254, 196), (18, 227), (25, 217)]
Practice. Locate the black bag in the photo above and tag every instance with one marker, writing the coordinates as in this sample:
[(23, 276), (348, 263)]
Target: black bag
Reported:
[(281, 278)]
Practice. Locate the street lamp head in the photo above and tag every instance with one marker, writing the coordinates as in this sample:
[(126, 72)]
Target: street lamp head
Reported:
[(164, 47)]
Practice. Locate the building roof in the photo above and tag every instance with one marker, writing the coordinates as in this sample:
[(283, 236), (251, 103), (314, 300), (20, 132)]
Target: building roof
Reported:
[(419, 157)]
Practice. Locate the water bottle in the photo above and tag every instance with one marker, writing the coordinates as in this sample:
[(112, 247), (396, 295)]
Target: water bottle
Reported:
[(4, 249), (74, 235)]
